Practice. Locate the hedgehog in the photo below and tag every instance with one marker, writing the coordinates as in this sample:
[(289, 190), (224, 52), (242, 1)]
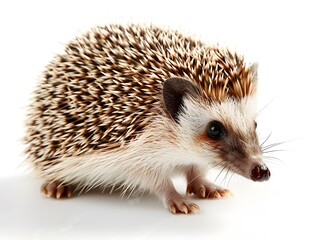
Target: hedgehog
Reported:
[(127, 107)]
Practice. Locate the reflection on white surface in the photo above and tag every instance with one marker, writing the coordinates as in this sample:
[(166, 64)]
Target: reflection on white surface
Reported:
[(255, 208)]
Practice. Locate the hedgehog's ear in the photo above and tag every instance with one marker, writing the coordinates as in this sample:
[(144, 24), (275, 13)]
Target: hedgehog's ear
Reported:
[(174, 89)]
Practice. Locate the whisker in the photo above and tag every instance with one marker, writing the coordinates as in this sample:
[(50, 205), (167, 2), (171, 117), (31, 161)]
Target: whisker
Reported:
[(194, 178), (215, 165), (272, 163), (225, 177), (272, 145), (271, 151), (271, 158), (262, 144), (220, 173), (231, 176)]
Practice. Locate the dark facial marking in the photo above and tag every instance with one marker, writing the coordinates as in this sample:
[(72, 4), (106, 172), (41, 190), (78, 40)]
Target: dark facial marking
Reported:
[(228, 144)]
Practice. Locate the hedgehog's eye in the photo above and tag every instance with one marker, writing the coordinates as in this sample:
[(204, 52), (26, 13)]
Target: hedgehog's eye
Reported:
[(255, 124), (215, 130)]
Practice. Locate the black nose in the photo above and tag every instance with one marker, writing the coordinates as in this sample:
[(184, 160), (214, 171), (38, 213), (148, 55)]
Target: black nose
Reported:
[(260, 173)]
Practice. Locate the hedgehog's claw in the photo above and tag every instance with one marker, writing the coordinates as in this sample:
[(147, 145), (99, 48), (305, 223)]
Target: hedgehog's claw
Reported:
[(204, 189), (56, 190), (177, 204)]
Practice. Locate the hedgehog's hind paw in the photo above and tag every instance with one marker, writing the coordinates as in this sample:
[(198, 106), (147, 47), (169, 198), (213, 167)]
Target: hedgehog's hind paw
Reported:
[(177, 204), (56, 190)]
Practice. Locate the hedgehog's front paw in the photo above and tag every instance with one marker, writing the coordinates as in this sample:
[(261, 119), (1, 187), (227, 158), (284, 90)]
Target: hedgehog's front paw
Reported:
[(203, 189), (56, 190), (177, 204)]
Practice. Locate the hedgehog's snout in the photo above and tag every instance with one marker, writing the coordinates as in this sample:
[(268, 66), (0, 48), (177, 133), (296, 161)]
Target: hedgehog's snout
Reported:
[(260, 173)]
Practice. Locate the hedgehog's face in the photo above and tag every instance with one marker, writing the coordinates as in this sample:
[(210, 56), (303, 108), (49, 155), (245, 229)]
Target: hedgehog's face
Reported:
[(221, 134)]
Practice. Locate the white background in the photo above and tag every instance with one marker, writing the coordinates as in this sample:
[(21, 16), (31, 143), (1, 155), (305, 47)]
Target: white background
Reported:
[(282, 36)]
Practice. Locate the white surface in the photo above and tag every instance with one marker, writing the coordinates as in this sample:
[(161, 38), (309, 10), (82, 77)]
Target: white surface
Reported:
[(281, 36)]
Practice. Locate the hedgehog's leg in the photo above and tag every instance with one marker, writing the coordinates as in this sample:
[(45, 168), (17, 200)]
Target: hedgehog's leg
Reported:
[(56, 190), (174, 201), (202, 188)]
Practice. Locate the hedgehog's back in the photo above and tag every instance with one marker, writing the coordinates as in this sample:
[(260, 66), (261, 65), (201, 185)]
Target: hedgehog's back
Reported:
[(106, 88)]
